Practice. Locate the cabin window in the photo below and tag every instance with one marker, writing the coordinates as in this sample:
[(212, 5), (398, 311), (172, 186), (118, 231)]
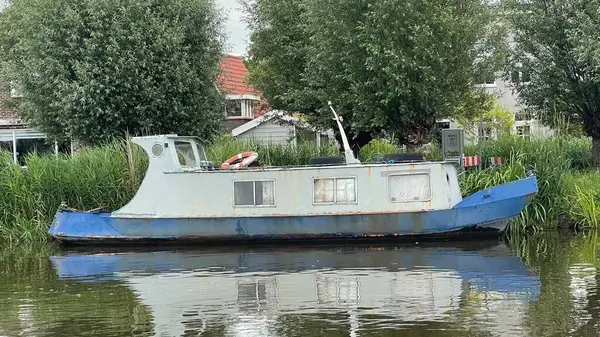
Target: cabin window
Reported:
[(334, 190), (254, 193), (185, 154), (409, 187), (157, 150)]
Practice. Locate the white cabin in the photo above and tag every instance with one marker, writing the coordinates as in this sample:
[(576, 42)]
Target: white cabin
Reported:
[(180, 182)]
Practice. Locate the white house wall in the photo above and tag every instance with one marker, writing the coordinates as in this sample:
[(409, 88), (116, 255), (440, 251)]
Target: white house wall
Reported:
[(269, 132), (506, 96)]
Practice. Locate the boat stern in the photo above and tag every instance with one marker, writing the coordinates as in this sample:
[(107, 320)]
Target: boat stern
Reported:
[(81, 226)]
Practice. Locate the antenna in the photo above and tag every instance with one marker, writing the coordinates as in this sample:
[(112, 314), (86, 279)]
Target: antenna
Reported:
[(350, 159)]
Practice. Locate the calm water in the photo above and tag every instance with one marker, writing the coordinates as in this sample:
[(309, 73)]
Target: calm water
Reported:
[(544, 286)]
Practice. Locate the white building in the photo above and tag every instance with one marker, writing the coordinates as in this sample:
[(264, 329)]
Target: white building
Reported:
[(525, 125)]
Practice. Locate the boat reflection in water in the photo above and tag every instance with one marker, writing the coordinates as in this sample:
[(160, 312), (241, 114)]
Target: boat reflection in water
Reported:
[(247, 291)]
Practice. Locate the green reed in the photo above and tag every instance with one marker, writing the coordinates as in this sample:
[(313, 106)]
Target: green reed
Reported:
[(376, 148), (102, 177), (108, 176), (269, 154), (552, 160), (583, 199)]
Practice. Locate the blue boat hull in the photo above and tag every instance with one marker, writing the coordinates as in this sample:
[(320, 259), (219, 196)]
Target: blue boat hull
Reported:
[(490, 208)]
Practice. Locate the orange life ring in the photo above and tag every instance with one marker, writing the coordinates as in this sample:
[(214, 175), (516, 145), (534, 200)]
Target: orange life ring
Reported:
[(247, 158)]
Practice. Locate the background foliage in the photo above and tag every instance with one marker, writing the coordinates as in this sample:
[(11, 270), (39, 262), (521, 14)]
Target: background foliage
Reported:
[(94, 69), (556, 48), (385, 67)]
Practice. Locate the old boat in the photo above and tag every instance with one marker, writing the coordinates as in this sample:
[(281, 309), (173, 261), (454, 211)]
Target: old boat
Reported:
[(184, 197)]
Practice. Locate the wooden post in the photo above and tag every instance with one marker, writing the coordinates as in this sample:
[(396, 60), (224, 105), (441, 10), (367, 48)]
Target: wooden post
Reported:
[(318, 139), (14, 134)]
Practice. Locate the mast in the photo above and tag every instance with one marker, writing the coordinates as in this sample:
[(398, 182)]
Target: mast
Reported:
[(350, 159)]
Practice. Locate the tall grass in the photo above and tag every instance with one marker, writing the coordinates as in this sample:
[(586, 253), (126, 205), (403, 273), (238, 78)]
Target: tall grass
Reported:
[(552, 160), (108, 176), (269, 154), (376, 148), (102, 177), (583, 199)]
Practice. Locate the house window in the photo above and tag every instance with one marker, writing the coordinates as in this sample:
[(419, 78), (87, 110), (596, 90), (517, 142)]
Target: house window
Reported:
[(485, 133), (305, 135), (254, 193), (524, 131), (240, 107), (234, 107), (409, 187), (520, 76), (322, 140), (523, 115), (334, 190), (443, 125), (487, 80), (185, 154)]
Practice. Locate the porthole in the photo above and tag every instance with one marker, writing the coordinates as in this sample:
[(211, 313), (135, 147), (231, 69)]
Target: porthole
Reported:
[(157, 150)]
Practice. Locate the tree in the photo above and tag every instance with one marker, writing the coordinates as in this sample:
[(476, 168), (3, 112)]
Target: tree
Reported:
[(386, 66), (494, 116), (95, 69), (555, 61)]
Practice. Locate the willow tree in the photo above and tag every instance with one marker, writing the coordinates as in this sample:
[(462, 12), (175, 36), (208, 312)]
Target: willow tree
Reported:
[(386, 65), (95, 69), (555, 43)]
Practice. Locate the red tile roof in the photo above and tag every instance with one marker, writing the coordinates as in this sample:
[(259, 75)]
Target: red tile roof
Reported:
[(233, 78)]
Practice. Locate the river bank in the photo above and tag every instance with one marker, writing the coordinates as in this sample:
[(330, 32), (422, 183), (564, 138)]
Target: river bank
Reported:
[(108, 176)]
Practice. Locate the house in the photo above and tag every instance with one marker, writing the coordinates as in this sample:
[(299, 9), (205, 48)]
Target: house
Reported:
[(243, 101), (525, 125), (243, 109), (248, 115), (277, 127), (15, 135)]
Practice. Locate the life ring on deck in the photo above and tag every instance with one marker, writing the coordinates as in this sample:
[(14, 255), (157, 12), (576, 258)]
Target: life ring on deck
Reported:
[(234, 162)]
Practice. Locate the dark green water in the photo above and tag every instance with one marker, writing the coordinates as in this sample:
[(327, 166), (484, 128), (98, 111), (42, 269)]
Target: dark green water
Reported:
[(543, 286)]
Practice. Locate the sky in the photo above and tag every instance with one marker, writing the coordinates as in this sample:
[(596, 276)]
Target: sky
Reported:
[(236, 28)]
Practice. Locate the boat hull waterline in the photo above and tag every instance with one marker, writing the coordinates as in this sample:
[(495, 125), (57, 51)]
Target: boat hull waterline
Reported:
[(491, 208)]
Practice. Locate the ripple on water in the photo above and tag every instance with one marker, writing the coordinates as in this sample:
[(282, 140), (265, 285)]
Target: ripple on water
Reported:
[(455, 290)]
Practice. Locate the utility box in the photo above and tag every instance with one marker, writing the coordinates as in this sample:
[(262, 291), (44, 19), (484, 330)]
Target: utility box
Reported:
[(453, 144)]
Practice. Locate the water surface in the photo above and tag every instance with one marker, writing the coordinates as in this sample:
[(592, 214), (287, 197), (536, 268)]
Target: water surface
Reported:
[(543, 286)]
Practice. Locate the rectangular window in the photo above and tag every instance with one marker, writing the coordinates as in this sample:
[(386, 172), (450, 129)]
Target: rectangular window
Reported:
[(488, 79), (234, 107), (443, 125), (524, 131), (334, 191), (185, 154), (409, 187), (254, 193), (485, 133)]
